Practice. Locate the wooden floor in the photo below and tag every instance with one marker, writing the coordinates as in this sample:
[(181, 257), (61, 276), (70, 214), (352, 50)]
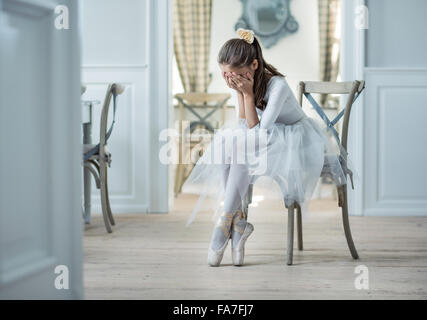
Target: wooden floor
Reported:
[(154, 256)]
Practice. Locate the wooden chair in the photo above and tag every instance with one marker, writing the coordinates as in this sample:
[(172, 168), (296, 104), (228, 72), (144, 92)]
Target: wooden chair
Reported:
[(96, 158), (353, 89), (193, 102)]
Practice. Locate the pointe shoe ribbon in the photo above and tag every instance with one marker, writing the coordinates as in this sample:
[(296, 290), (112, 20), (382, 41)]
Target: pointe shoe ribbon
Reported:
[(225, 223), (240, 215)]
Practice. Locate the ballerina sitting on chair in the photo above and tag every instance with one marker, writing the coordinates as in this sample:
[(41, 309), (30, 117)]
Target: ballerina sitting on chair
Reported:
[(295, 147)]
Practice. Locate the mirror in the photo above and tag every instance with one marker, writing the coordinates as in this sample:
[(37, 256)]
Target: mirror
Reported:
[(269, 19)]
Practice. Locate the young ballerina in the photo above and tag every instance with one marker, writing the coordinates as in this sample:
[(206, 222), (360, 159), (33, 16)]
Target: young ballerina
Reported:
[(296, 146)]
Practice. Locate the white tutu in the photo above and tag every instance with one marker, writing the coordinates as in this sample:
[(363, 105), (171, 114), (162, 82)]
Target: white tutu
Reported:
[(289, 157)]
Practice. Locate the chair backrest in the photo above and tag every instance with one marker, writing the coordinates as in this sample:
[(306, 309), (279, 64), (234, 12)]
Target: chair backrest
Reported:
[(351, 88), (113, 91)]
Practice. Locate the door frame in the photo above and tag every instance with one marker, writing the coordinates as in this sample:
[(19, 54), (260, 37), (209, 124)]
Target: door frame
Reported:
[(160, 92), (352, 66)]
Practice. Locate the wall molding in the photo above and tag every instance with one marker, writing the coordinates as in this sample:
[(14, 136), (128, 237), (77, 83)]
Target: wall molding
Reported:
[(151, 78), (120, 209), (122, 67), (376, 70), (394, 212), (152, 106), (382, 198), (135, 198)]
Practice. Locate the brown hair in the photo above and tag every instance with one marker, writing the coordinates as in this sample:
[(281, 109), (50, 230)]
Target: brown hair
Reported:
[(238, 53)]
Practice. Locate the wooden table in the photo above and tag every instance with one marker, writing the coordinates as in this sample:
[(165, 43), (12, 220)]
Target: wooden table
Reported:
[(193, 102)]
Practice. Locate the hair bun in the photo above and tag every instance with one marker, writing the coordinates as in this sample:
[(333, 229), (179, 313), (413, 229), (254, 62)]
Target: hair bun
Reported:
[(247, 35)]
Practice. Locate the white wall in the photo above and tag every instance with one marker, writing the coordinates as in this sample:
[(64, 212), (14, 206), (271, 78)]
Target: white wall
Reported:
[(113, 32), (388, 131), (119, 46), (397, 34)]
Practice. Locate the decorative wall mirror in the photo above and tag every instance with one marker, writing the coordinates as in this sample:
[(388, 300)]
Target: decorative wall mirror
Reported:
[(269, 19)]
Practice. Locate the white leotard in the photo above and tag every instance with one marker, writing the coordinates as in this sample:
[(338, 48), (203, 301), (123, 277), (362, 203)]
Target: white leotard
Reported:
[(282, 106)]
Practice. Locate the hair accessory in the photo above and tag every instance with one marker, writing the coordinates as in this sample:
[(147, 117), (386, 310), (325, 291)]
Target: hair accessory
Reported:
[(247, 35)]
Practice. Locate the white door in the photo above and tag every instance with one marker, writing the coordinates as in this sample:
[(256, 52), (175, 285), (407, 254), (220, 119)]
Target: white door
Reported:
[(40, 173)]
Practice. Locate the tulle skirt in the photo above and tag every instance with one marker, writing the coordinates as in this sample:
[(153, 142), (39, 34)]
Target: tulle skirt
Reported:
[(286, 161)]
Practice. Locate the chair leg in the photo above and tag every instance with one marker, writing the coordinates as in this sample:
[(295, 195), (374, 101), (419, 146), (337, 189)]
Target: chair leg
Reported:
[(103, 172), (86, 191), (290, 244), (110, 213), (179, 178), (346, 224), (299, 227)]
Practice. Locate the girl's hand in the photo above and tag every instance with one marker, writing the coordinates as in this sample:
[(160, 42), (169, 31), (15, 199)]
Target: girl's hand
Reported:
[(230, 82), (244, 83)]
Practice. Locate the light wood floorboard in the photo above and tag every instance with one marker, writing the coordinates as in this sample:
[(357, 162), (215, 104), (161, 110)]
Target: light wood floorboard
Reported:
[(154, 256)]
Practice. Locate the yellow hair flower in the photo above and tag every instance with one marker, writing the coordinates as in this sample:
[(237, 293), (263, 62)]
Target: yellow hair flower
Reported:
[(247, 35)]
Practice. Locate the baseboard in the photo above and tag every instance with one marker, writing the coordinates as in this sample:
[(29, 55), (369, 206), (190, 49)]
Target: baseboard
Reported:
[(395, 212), (121, 209)]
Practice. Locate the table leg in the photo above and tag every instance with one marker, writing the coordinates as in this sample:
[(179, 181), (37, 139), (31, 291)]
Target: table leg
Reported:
[(87, 139)]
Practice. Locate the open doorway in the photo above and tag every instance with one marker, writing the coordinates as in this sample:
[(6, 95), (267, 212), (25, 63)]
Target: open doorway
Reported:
[(312, 53)]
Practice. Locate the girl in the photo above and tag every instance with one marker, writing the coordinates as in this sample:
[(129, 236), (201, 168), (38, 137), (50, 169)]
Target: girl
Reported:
[(293, 153)]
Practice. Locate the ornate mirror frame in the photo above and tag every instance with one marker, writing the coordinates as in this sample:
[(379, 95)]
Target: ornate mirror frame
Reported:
[(287, 23)]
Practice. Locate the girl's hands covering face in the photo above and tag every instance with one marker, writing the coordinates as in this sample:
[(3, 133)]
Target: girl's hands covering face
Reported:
[(243, 83), (230, 81)]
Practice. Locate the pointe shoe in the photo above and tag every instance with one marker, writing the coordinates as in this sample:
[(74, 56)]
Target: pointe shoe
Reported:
[(215, 256), (241, 230), (220, 237)]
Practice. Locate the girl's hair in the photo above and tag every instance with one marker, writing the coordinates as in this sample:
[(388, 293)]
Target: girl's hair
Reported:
[(238, 53)]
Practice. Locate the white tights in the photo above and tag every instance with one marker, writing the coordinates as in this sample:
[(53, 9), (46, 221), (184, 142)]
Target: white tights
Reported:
[(235, 180)]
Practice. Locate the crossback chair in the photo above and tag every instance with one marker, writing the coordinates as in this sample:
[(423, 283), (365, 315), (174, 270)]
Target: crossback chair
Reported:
[(353, 90), (96, 158)]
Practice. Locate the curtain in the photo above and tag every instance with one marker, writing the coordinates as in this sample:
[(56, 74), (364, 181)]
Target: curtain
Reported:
[(329, 41), (192, 33)]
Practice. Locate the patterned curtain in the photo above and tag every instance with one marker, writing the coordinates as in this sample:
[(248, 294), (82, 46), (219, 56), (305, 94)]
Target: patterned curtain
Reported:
[(192, 33), (329, 41)]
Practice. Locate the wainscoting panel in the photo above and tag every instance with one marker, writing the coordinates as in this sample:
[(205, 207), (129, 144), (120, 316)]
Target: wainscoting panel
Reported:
[(128, 176), (395, 142)]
